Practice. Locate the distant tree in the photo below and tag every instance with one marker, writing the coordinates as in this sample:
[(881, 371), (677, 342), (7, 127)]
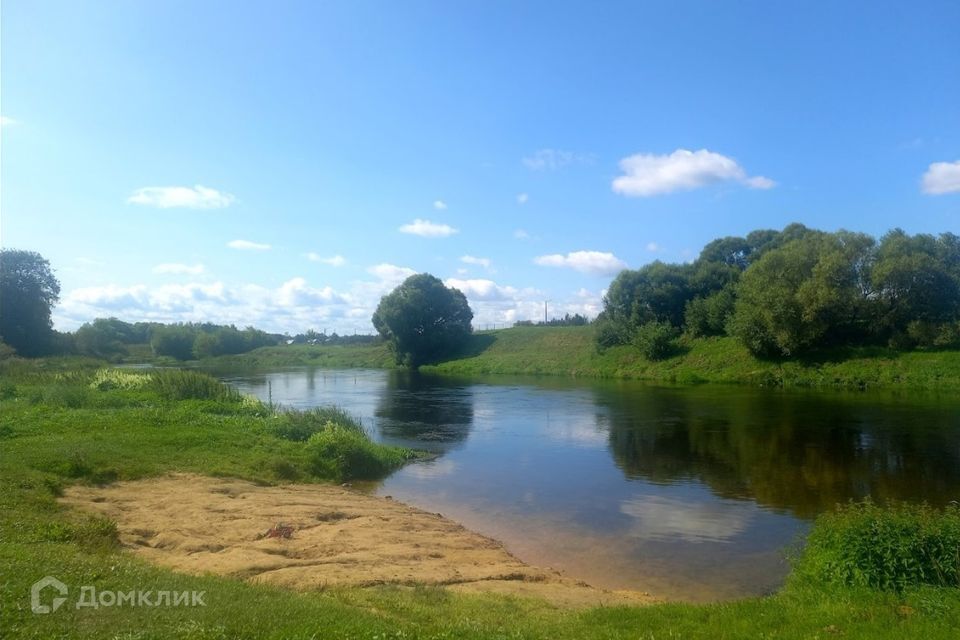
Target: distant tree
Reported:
[(175, 340), (103, 338), (424, 320), (917, 280), (28, 291), (804, 294)]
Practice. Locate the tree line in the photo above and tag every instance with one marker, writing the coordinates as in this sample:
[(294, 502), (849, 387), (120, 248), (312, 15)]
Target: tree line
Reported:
[(787, 293)]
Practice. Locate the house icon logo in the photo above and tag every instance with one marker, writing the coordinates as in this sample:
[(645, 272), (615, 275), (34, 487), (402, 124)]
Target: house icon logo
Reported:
[(37, 590)]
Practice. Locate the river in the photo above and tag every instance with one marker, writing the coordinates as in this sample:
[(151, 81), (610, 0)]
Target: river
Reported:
[(696, 493)]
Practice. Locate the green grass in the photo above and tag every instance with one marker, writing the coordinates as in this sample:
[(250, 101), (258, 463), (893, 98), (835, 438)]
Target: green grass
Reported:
[(570, 351), (56, 430), (894, 547), (367, 356)]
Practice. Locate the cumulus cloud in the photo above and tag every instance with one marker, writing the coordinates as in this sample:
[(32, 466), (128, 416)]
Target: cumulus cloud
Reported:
[(198, 197), (551, 159), (7, 121), (654, 247), (297, 293), (439, 205), (647, 174), (390, 273), (247, 245), (333, 261), (523, 198), (481, 289), (593, 262), (942, 177), (521, 234), (481, 262), (177, 268), (428, 229)]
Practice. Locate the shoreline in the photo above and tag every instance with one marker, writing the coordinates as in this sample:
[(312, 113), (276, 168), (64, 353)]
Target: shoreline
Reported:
[(309, 537)]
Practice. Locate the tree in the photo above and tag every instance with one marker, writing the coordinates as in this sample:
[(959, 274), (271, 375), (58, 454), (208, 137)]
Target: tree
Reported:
[(423, 320), (28, 291), (175, 340), (809, 292)]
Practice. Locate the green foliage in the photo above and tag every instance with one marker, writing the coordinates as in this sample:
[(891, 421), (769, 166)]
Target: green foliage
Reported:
[(424, 321), (806, 293), (106, 379), (346, 453), (109, 337), (889, 548), (175, 341), (28, 291), (179, 384), (297, 425), (709, 316), (655, 340)]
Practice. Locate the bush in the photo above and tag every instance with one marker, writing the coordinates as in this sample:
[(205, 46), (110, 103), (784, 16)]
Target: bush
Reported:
[(106, 379), (176, 384), (655, 340), (888, 548), (345, 453), (299, 425), (709, 316)]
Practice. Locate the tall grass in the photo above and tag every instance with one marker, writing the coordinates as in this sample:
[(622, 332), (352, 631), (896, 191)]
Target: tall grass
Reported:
[(344, 453), (180, 384), (298, 425), (889, 548)]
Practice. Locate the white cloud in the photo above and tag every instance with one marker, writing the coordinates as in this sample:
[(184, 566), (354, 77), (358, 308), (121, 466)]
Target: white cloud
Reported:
[(7, 121), (942, 177), (198, 197), (523, 198), (594, 262), (246, 245), (439, 205), (544, 159), (654, 247), (296, 293), (521, 234), (482, 262), (391, 273), (428, 229), (177, 268), (647, 174), (333, 261), (481, 289)]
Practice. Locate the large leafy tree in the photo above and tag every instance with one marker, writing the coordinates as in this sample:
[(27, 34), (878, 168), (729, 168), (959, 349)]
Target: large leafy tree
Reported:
[(28, 291), (811, 291), (424, 320)]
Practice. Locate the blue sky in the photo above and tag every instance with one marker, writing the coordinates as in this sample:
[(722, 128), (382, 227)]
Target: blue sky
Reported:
[(348, 144)]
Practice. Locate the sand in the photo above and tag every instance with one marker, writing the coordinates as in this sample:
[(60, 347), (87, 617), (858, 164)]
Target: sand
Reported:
[(317, 536)]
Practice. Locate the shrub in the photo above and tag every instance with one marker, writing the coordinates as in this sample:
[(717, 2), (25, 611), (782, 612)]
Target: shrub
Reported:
[(655, 340), (888, 548), (345, 453), (106, 379), (177, 384), (297, 425)]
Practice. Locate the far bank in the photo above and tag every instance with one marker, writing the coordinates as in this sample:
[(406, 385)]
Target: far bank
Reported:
[(571, 351)]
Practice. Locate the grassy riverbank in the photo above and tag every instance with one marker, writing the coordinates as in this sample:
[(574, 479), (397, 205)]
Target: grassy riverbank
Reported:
[(61, 425), (570, 351)]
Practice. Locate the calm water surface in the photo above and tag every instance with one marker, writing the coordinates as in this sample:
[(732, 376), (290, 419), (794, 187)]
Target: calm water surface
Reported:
[(694, 493)]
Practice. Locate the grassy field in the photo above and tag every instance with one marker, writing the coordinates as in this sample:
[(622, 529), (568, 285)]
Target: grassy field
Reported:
[(570, 351), (63, 424)]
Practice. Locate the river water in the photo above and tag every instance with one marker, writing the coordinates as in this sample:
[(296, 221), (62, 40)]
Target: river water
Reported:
[(696, 493)]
